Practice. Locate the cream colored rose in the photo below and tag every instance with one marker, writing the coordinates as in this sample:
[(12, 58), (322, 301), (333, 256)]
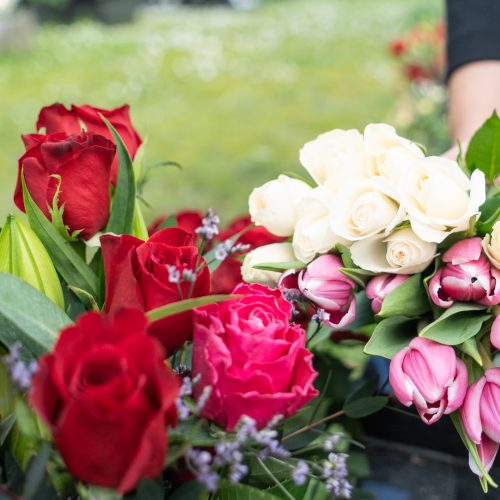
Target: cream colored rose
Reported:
[(334, 156), (273, 253), (491, 245), (440, 199), (274, 205), (365, 207), (402, 252), (313, 234), (388, 154)]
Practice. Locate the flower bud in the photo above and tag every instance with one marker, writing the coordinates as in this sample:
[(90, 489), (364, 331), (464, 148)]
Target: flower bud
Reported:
[(480, 416), (430, 376), (466, 276), (379, 287), (23, 255), (330, 290)]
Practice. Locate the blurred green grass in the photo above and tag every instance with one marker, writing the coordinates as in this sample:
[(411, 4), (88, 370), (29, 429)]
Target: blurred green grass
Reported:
[(231, 96)]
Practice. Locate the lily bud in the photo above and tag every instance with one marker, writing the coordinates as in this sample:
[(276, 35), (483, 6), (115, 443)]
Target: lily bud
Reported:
[(23, 255), (430, 376)]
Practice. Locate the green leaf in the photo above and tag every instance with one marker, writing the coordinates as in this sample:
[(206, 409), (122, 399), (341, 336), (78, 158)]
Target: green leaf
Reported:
[(484, 148), (170, 221), (187, 305), (469, 347), (149, 490), (139, 228), (6, 426), (345, 255), (408, 299), (365, 389), (365, 406), (489, 208), (280, 267), (36, 475), (228, 491), (457, 324), (28, 316), (360, 276), (307, 180), (66, 260), (121, 217), (192, 490), (390, 336)]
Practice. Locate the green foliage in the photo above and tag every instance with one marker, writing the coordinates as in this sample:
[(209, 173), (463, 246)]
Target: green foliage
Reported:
[(280, 267), (408, 299), (490, 213), (484, 148)]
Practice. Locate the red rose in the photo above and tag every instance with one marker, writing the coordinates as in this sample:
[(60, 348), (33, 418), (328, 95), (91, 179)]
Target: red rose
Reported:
[(228, 274), (253, 359), (56, 118), (188, 220), (137, 276), (82, 165), (107, 396)]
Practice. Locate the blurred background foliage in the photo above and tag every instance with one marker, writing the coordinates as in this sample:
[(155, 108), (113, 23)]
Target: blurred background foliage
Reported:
[(230, 95)]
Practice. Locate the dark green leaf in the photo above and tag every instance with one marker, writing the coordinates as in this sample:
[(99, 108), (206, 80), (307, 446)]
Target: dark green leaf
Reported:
[(489, 208), (28, 316), (121, 217), (188, 491), (6, 426), (345, 255), (66, 260), (365, 406), (485, 227), (408, 299), (13, 473), (36, 475), (457, 324), (484, 148), (280, 267), (169, 222), (390, 336), (229, 491), (360, 276), (363, 390), (149, 490)]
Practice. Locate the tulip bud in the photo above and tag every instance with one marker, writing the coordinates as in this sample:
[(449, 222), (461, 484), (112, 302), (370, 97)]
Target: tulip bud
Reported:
[(467, 276), (330, 290), (480, 416), (379, 287), (430, 376), (495, 333), (23, 255)]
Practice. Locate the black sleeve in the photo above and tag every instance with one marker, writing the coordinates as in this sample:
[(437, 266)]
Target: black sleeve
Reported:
[(473, 31)]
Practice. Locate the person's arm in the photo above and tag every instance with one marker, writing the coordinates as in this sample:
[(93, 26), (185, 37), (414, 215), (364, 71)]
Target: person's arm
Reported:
[(473, 66)]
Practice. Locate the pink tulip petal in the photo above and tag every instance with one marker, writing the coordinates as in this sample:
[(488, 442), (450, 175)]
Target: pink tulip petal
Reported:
[(495, 333), (437, 294), (458, 389), (400, 383), (490, 411), (470, 410), (487, 450), (464, 251)]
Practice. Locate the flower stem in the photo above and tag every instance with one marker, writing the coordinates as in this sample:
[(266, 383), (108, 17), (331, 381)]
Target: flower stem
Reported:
[(314, 424), (273, 477)]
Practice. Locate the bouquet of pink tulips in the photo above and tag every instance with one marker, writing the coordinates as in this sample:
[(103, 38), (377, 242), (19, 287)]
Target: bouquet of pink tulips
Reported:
[(402, 250)]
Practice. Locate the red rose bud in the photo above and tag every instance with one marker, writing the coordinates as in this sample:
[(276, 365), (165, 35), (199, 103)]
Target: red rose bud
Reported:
[(56, 118), (148, 274), (380, 286), (107, 396), (77, 169), (251, 361), (324, 285), (481, 417), (467, 276)]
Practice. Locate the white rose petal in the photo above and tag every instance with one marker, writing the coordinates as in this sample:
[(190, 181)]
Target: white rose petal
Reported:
[(365, 207), (274, 205), (335, 156), (491, 245), (440, 198), (402, 252), (273, 253)]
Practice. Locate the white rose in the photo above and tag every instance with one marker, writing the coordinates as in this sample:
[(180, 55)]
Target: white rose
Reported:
[(365, 207), (313, 234), (388, 154), (491, 245), (274, 205), (440, 199), (402, 252), (334, 157), (274, 253)]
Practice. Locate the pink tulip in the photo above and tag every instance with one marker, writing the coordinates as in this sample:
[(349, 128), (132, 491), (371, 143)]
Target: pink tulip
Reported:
[(324, 285), (379, 287), (481, 417), (466, 276), (495, 333), (430, 376)]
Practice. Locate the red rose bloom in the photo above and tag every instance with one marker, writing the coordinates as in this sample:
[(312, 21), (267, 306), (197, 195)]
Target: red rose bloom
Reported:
[(107, 396), (137, 276), (56, 118), (253, 359), (82, 166)]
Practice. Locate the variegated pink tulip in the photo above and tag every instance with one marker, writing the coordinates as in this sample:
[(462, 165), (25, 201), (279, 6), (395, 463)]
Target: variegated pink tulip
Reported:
[(324, 285), (380, 286), (481, 417), (495, 333), (430, 376), (467, 276)]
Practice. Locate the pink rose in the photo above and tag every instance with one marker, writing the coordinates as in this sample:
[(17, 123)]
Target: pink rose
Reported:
[(467, 276), (254, 361), (481, 417), (380, 286), (430, 376), (324, 285)]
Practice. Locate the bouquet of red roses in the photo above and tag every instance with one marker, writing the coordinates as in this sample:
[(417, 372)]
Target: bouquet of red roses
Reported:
[(123, 372)]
